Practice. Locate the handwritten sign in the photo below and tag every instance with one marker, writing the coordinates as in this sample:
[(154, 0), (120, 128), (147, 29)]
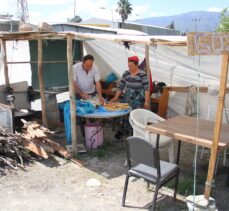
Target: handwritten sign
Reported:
[(204, 43)]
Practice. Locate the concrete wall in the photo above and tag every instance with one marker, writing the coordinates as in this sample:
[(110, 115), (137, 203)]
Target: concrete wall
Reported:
[(7, 117)]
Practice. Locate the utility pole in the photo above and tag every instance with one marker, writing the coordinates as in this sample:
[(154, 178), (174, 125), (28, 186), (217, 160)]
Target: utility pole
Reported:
[(195, 20), (22, 10)]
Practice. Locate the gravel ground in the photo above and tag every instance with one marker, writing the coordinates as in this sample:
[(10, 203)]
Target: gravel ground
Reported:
[(57, 184)]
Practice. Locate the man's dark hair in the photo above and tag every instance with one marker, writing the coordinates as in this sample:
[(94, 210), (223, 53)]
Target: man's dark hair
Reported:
[(88, 57)]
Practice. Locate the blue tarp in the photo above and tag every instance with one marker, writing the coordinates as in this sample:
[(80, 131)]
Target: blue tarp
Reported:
[(84, 108)]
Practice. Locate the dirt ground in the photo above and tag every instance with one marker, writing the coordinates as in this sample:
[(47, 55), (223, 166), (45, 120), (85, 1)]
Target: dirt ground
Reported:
[(58, 185)]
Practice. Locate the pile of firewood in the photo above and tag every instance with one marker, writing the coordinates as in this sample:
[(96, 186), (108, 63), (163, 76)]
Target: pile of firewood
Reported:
[(37, 141), (12, 151), (15, 148)]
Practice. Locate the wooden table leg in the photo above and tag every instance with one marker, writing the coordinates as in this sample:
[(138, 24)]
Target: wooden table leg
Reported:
[(178, 152)]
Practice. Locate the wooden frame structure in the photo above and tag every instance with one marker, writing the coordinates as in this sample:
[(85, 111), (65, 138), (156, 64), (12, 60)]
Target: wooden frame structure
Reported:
[(147, 41), (40, 37), (69, 36)]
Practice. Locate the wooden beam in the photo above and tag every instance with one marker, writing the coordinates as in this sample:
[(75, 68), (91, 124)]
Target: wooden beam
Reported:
[(32, 62), (170, 43), (217, 128), (72, 94), (6, 73), (81, 50), (203, 89), (147, 56), (41, 82)]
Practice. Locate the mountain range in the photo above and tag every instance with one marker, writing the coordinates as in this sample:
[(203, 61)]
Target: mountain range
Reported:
[(187, 22)]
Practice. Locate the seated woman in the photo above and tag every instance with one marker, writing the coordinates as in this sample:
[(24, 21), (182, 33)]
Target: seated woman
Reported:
[(134, 86)]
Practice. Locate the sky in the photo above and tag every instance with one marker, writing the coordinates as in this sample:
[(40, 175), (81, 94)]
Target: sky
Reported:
[(59, 10)]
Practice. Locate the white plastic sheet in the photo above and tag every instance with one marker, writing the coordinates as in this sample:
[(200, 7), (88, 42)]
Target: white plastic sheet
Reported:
[(168, 64), (16, 51)]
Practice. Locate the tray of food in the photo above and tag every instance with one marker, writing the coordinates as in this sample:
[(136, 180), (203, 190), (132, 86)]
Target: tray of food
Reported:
[(117, 106)]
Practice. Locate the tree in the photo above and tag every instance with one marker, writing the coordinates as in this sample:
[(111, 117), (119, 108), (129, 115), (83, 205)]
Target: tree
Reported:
[(124, 9), (171, 25), (224, 21), (76, 19)]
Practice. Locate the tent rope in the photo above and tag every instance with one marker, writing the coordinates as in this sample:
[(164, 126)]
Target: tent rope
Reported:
[(197, 126)]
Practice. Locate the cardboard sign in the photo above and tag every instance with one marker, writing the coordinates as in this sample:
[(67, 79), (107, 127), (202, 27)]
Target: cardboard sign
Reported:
[(204, 43)]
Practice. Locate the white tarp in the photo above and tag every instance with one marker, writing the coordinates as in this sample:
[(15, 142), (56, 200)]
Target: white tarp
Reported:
[(168, 64), (16, 51), (130, 36)]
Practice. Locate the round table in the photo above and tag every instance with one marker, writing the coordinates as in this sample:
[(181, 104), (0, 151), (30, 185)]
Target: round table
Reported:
[(106, 115)]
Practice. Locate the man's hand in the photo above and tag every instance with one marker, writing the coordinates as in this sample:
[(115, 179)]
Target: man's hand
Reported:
[(84, 96), (102, 100)]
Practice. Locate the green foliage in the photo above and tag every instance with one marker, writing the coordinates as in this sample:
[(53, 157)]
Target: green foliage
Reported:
[(101, 151), (76, 19), (171, 25), (185, 186), (124, 9), (224, 21)]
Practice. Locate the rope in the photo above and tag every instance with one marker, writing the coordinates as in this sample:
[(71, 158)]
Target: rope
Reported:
[(226, 113), (197, 131)]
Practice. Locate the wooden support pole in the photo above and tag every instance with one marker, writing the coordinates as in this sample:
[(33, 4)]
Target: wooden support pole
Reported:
[(72, 94), (147, 67), (217, 128), (41, 82), (6, 73), (81, 50)]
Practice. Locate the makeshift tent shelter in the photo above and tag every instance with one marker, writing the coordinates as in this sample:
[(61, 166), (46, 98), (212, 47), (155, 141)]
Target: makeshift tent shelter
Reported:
[(141, 40)]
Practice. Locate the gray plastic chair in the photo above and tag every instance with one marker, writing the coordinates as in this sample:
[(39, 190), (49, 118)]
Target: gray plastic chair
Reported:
[(144, 162)]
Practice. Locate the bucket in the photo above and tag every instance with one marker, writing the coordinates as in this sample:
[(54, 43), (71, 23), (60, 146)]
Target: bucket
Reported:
[(93, 135), (201, 204)]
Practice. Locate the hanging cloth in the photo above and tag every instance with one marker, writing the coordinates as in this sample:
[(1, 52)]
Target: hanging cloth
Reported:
[(142, 66), (191, 103)]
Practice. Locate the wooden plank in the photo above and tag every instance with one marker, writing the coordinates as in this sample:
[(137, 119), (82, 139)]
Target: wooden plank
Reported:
[(57, 147), (35, 132), (203, 89), (35, 148), (77, 162), (218, 125), (186, 88), (186, 129), (206, 43), (41, 82), (32, 124), (44, 62), (171, 43), (6, 72), (72, 94)]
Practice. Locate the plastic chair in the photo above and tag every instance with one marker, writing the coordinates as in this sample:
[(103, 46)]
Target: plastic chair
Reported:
[(144, 162), (211, 116), (139, 119)]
